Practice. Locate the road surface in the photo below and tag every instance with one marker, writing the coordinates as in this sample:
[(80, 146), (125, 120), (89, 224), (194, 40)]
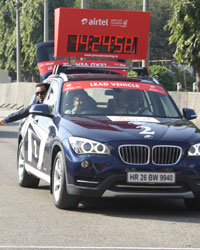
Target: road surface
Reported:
[(29, 219)]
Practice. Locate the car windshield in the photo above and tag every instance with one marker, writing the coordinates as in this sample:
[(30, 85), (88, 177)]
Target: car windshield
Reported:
[(117, 101)]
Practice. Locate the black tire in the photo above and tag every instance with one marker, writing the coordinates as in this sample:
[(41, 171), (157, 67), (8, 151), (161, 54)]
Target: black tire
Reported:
[(192, 204), (62, 199), (24, 179)]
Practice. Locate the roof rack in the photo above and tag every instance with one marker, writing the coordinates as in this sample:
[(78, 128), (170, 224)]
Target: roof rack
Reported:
[(141, 71)]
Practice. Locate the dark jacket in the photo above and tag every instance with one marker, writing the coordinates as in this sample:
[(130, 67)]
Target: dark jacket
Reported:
[(22, 113)]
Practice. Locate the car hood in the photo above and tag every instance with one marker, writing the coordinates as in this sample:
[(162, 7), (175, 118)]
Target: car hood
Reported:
[(140, 128)]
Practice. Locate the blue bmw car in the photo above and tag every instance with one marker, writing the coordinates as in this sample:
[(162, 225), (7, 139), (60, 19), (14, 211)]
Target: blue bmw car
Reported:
[(99, 134)]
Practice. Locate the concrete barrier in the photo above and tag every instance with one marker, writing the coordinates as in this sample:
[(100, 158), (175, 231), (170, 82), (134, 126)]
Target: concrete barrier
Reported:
[(16, 95), (188, 100), (4, 76)]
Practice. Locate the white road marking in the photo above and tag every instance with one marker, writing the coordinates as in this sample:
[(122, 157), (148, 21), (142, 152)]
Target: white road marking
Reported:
[(101, 248)]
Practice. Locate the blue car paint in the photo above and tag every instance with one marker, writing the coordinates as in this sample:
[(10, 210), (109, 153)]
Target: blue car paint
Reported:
[(108, 169)]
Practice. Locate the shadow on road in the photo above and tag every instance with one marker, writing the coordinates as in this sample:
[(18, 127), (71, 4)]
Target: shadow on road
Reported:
[(152, 209), (43, 187), (8, 134), (172, 210)]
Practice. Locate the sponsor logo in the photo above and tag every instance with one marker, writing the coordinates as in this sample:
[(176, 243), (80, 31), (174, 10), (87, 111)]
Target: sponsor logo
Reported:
[(119, 22), (94, 22), (148, 136), (84, 21), (105, 22)]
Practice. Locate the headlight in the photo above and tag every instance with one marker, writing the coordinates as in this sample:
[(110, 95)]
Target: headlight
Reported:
[(86, 146), (194, 150)]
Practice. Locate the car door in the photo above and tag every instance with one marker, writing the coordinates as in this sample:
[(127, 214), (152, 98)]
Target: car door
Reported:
[(40, 133)]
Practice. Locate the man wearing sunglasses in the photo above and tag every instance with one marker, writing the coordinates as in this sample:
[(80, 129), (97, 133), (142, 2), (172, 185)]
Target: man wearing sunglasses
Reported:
[(41, 90)]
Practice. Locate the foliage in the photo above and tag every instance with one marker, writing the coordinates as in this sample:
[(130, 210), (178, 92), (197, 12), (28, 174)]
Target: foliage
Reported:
[(7, 36), (184, 75), (160, 14), (159, 45), (132, 73), (53, 4), (185, 32), (31, 32), (31, 21), (112, 4), (163, 75)]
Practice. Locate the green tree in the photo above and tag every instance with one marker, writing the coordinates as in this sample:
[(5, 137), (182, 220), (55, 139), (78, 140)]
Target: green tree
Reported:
[(159, 45), (185, 33), (53, 4), (31, 32), (112, 4), (163, 75), (7, 35), (31, 18), (160, 13)]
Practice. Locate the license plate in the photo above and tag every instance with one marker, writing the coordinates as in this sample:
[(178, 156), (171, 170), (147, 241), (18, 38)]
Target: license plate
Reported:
[(149, 177)]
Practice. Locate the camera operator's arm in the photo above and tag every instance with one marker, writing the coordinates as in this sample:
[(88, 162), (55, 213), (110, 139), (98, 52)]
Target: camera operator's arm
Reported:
[(22, 113)]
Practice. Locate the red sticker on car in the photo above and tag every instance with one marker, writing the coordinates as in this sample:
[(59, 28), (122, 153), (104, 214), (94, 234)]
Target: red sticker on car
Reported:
[(68, 86)]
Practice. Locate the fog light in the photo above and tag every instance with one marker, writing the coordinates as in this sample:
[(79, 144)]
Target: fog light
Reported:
[(85, 164)]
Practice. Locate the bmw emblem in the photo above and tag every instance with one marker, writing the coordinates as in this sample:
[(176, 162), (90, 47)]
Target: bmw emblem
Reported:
[(148, 136)]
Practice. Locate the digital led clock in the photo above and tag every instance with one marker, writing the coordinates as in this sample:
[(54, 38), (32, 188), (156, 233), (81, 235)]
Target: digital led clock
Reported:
[(102, 44), (101, 34)]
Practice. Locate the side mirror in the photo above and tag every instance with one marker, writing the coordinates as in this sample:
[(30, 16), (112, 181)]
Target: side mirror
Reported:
[(189, 113), (40, 109)]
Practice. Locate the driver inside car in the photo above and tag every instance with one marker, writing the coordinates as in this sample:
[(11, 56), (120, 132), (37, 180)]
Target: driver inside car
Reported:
[(82, 104), (131, 103)]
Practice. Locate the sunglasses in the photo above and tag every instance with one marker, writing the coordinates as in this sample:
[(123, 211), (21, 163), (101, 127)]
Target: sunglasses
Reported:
[(40, 93)]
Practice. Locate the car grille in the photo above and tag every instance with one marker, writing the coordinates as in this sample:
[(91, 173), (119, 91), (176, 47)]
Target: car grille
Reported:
[(134, 154), (140, 154), (166, 155)]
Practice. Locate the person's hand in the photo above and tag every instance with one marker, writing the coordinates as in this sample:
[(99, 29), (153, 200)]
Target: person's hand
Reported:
[(2, 122)]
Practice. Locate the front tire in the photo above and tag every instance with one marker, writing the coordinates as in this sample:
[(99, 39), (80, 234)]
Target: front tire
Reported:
[(24, 179), (62, 199)]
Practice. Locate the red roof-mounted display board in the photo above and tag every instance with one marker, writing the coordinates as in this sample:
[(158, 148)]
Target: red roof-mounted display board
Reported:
[(108, 34)]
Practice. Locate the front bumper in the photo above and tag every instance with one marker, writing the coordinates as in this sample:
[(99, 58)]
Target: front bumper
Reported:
[(116, 186)]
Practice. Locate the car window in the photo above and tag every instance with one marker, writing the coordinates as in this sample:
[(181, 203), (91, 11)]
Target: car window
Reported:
[(117, 101), (52, 96), (167, 106)]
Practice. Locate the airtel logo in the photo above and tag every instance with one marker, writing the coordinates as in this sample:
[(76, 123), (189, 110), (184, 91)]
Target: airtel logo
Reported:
[(84, 21), (95, 22)]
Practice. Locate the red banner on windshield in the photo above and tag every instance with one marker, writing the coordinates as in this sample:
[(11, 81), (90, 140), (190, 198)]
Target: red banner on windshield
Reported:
[(108, 34), (69, 86)]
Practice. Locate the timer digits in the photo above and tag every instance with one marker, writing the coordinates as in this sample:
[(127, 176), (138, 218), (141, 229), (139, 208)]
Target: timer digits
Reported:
[(102, 44)]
